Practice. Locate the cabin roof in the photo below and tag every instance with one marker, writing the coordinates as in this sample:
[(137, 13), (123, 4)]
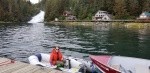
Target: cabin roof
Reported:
[(147, 13)]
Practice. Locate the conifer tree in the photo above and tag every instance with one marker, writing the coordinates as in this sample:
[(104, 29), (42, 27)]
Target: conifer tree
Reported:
[(120, 9)]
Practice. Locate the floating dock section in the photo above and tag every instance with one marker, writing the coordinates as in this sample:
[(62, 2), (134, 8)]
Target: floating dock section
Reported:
[(11, 66)]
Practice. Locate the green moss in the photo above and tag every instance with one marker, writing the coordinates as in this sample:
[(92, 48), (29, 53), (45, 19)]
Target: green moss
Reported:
[(135, 25)]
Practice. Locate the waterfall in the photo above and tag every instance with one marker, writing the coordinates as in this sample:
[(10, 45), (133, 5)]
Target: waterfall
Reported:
[(38, 18), (34, 1)]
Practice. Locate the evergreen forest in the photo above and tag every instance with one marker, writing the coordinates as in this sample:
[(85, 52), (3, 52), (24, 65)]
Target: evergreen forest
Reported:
[(22, 11)]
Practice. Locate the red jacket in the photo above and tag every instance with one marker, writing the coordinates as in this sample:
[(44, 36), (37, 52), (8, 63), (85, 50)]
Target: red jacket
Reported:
[(54, 57)]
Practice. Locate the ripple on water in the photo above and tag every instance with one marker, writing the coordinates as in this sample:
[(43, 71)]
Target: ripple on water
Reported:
[(22, 40)]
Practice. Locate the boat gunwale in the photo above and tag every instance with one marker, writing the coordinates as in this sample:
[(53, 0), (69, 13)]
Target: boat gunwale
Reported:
[(112, 67), (105, 65)]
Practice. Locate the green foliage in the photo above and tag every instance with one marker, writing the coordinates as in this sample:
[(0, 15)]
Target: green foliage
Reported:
[(146, 5), (61, 18), (119, 9), (16, 10), (85, 9), (55, 8), (20, 10)]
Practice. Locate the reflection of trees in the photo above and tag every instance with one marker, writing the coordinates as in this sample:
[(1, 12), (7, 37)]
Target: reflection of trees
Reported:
[(101, 27), (144, 36), (124, 42), (90, 38), (102, 39), (129, 42)]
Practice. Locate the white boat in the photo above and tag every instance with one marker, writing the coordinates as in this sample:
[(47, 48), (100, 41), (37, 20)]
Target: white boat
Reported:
[(121, 64), (72, 65)]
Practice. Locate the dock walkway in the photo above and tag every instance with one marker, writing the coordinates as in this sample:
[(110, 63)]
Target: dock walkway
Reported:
[(10, 66)]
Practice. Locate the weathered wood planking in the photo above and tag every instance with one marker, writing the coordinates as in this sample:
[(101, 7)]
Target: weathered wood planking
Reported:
[(18, 67)]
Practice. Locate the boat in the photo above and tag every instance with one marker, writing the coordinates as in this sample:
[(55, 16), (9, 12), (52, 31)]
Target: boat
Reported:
[(121, 64), (72, 65)]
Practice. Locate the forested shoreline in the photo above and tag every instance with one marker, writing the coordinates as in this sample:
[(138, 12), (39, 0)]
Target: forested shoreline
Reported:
[(16, 10), (85, 9), (22, 11)]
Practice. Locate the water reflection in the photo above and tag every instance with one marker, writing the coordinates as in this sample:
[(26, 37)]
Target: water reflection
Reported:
[(144, 41), (18, 41)]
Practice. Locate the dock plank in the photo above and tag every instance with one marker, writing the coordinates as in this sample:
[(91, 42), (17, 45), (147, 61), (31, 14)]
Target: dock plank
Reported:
[(33, 70), (25, 69), (9, 65), (3, 59), (38, 71), (44, 70), (47, 70), (13, 68)]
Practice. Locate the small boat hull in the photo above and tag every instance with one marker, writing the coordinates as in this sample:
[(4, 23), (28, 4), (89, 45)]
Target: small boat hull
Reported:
[(42, 59), (103, 66), (121, 64)]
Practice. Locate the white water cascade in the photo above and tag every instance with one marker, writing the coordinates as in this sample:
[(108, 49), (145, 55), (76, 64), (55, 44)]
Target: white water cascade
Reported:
[(38, 18)]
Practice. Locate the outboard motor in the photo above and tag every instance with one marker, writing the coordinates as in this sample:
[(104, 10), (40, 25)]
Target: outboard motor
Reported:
[(83, 68), (67, 64)]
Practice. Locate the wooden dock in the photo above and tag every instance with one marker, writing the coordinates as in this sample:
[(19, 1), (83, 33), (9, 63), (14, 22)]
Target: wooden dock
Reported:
[(10, 66)]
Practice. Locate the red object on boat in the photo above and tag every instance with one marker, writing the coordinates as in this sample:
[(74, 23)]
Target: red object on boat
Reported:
[(121, 64), (102, 63)]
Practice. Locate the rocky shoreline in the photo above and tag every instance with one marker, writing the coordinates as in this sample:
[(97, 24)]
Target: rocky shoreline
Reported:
[(115, 24)]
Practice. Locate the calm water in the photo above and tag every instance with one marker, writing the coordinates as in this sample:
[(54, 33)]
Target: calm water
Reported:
[(20, 40)]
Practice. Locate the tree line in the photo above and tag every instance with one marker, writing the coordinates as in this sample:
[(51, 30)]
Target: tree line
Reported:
[(22, 10), (16, 10), (85, 9)]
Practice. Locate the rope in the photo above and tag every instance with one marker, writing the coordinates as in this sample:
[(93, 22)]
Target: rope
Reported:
[(7, 62)]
